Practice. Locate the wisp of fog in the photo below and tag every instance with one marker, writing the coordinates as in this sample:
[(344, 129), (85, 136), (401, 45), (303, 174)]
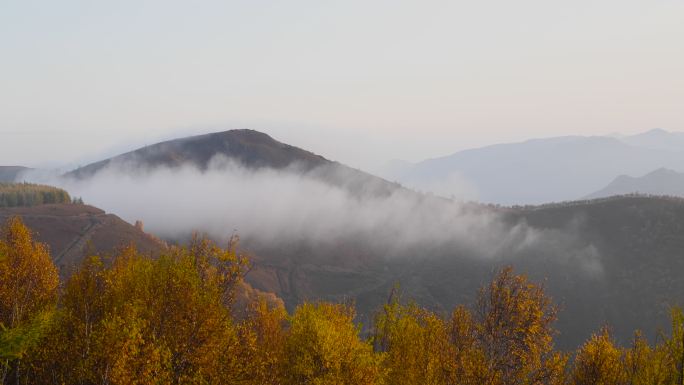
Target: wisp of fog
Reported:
[(269, 206)]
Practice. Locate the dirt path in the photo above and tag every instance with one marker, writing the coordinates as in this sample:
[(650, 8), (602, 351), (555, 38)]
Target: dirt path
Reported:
[(79, 243)]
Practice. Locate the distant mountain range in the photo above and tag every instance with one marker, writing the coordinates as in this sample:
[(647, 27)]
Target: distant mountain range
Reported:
[(542, 170), (659, 182)]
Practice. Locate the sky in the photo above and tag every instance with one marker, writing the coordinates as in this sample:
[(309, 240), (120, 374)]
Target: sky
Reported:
[(362, 82)]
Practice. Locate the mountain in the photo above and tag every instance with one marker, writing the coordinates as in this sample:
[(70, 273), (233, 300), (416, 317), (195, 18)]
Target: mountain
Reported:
[(543, 170), (249, 148), (10, 173), (659, 182), (656, 139), (72, 231)]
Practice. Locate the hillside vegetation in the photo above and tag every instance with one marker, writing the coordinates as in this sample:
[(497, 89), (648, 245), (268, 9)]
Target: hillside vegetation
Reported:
[(28, 194), (170, 321)]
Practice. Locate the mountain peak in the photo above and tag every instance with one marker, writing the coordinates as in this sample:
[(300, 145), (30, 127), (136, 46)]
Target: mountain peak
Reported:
[(250, 148), (655, 132)]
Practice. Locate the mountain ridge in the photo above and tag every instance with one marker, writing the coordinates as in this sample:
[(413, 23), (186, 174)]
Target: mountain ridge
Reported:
[(249, 148), (543, 170), (662, 181)]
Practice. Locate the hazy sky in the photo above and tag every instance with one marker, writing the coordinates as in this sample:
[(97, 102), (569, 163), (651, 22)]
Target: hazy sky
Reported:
[(357, 81)]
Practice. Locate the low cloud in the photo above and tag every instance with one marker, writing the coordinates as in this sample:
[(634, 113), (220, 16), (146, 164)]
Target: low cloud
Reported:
[(271, 207)]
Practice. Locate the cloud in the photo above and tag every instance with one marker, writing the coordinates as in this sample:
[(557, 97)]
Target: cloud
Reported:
[(282, 207)]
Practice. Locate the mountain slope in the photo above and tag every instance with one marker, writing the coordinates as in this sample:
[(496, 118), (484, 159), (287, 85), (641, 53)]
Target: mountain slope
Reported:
[(659, 182), (73, 231), (545, 170), (615, 261)]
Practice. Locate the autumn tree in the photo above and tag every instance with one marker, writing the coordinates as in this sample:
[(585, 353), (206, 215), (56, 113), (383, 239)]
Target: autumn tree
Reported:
[(415, 343), (28, 285), (262, 336), (673, 347), (470, 363), (646, 365), (514, 329), (598, 362), (323, 347), (146, 321)]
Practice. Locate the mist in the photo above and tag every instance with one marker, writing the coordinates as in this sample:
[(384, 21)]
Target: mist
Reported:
[(281, 207)]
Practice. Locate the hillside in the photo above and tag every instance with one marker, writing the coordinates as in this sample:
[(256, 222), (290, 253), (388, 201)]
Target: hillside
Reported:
[(615, 262), (543, 170), (659, 182), (73, 231)]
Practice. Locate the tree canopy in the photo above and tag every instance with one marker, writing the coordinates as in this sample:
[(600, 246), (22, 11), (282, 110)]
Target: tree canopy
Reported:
[(171, 320)]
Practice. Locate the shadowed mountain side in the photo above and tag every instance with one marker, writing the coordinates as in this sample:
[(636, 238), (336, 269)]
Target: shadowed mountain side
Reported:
[(658, 182), (621, 267), (74, 231), (10, 173)]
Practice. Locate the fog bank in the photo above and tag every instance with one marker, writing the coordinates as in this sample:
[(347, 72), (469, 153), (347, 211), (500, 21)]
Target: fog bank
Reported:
[(273, 207)]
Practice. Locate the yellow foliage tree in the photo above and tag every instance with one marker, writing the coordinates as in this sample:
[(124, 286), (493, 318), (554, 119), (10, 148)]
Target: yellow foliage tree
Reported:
[(262, 339), (323, 347), (145, 321), (28, 278), (515, 332), (470, 362), (598, 362), (416, 345), (28, 287), (674, 347), (644, 365)]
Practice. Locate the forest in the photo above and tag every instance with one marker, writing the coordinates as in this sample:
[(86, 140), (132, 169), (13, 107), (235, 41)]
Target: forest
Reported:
[(28, 194), (175, 319)]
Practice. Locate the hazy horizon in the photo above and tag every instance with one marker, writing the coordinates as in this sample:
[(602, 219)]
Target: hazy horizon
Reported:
[(67, 162), (358, 82)]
